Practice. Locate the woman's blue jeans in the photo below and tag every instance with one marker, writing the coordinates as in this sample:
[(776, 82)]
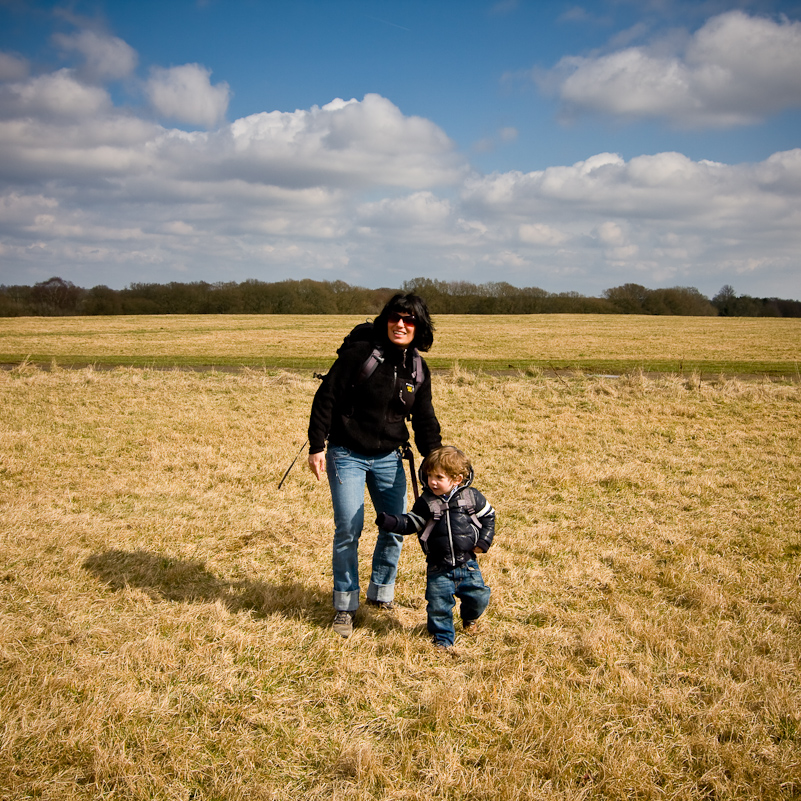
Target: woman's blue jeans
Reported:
[(348, 474)]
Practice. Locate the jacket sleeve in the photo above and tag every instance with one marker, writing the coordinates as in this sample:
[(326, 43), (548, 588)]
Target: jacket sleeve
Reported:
[(332, 388), (413, 522), (427, 433), (486, 516)]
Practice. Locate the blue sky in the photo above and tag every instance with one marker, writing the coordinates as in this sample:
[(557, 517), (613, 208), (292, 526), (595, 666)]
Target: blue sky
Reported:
[(568, 146)]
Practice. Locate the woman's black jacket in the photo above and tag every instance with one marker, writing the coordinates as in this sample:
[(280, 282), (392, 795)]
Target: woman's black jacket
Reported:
[(368, 417)]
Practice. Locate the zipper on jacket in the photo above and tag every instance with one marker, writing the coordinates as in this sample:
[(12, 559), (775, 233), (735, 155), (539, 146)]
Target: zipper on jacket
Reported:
[(450, 535)]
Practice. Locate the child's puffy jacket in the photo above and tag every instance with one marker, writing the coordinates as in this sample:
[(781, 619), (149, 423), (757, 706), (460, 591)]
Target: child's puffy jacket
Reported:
[(448, 530)]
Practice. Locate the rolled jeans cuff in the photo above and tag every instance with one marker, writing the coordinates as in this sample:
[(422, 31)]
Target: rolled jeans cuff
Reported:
[(380, 592), (346, 601)]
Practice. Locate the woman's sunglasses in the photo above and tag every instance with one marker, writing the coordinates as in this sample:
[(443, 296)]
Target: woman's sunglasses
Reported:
[(409, 320)]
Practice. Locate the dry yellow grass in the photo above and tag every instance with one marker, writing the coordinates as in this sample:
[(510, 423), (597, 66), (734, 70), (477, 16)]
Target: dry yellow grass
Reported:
[(165, 610), (593, 342)]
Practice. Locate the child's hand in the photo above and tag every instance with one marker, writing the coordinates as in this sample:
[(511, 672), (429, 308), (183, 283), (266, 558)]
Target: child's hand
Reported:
[(478, 549), (387, 522)]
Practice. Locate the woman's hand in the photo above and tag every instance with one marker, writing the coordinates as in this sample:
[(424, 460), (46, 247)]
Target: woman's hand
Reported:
[(317, 463)]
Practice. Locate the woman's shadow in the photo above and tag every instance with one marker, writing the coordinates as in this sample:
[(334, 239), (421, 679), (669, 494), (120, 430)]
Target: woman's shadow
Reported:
[(165, 578)]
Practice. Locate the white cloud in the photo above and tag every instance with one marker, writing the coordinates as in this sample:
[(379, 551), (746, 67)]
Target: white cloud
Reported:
[(107, 57), (12, 68), (344, 143), (58, 94), (186, 94), (358, 191), (18, 209), (507, 259), (421, 210), (539, 234), (610, 233), (614, 239), (735, 70), (265, 190), (664, 216)]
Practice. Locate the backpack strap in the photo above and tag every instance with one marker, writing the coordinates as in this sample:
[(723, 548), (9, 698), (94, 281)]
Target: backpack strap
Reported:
[(467, 503), (417, 367), (406, 453), (436, 506), (375, 358)]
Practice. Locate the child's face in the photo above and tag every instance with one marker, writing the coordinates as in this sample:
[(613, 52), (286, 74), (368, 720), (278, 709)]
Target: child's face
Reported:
[(440, 484)]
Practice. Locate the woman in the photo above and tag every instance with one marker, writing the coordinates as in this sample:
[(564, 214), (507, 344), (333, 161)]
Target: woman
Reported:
[(361, 411)]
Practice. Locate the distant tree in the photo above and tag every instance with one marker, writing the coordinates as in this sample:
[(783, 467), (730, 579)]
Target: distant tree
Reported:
[(729, 304), (224, 298), (628, 299), (746, 306), (463, 297), (101, 300), (787, 308), (180, 298), (434, 292), (55, 297), (724, 300), (679, 300), (15, 301), (533, 300), (768, 307), (255, 297), (306, 296)]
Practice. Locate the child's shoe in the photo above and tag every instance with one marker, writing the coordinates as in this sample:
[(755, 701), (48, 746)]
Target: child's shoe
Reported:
[(472, 628)]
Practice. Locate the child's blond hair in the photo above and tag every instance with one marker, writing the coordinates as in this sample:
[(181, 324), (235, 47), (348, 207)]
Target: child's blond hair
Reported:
[(450, 460)]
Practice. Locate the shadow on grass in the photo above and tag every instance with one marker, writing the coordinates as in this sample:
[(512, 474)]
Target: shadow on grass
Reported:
[(166, 578)]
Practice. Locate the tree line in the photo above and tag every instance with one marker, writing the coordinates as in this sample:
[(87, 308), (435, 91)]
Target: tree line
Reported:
[(57, 297)]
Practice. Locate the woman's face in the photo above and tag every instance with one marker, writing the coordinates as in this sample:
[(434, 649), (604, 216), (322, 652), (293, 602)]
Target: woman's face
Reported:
[(401, 328)]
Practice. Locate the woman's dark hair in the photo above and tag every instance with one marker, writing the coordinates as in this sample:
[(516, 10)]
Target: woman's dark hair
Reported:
[(408, 304)]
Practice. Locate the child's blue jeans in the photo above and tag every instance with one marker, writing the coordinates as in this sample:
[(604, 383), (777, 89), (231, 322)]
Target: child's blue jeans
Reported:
[(443, 587)]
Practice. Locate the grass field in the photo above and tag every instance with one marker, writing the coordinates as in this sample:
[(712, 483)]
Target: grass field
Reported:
[(595, 343), (165, 609)]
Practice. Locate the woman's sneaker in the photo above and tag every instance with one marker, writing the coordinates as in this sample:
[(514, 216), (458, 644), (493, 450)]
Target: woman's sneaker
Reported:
[(343, 623), (386, 606)]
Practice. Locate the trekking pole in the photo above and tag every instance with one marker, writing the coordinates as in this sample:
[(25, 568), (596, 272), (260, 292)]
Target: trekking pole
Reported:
[(292, 465), (406, 453)]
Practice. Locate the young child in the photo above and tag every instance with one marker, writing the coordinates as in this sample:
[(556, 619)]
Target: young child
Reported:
[(453, 522)]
